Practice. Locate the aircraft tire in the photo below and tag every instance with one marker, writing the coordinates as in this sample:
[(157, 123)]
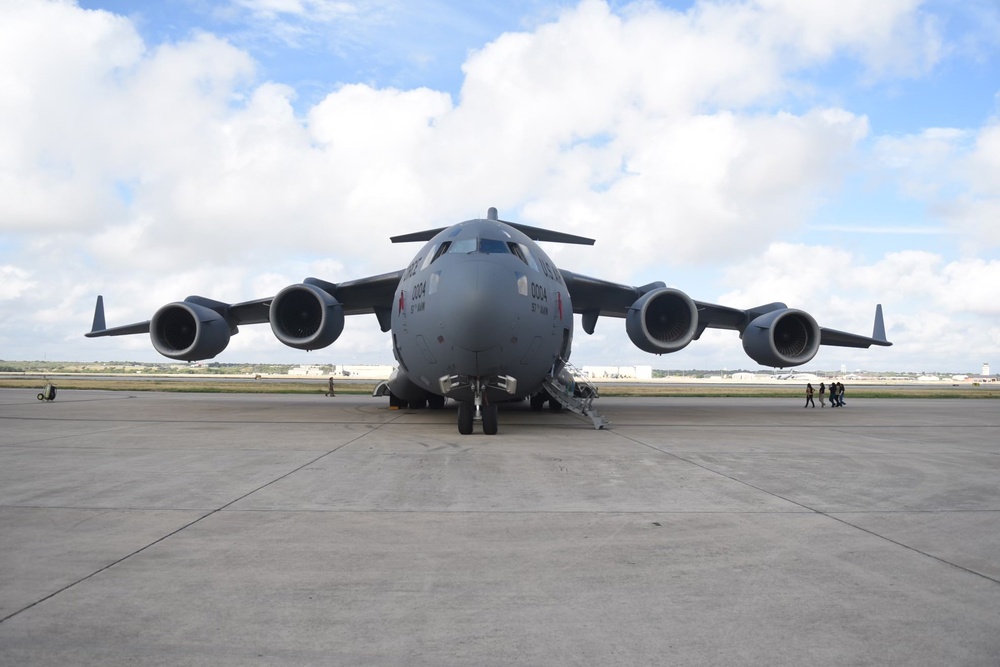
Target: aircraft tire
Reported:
[(538, 401), (490, 421), (554, 405), (465, 414), (435, 402)]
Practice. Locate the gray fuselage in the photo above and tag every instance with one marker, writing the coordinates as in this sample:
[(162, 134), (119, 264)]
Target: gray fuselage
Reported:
[(481, 301)]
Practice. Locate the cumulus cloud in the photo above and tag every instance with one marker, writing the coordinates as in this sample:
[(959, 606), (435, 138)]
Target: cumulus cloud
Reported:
[(936, 311), (14, 282), (890, 37), (157, 170), (955, 173)]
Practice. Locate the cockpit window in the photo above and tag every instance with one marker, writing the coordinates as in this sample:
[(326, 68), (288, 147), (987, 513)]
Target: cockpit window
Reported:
[(463, 246), (466, 246), (493, 247), (516, 251), (431, 256), (524, 252)]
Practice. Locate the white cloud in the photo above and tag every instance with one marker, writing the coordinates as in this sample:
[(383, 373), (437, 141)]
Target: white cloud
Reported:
[(935, 310), (890, 37), (54, 55), (151, 171), (955, 173), (14, 282)]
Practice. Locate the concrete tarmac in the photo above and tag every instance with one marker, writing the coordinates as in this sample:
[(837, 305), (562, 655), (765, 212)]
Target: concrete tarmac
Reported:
[(210, 529)]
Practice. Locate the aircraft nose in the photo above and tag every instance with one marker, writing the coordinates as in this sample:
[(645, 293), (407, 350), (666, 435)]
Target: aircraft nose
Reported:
[(478, 299)]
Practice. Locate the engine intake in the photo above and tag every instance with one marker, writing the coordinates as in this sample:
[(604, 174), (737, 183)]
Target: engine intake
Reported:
[(188, 331), (305, 317), (663, 320), (782, 338)]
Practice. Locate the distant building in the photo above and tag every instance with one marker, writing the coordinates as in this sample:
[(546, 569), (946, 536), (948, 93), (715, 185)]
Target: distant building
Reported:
[(803, 377), (307, 371), (357, 371), (986, 368), (363, 372), (617, 372)]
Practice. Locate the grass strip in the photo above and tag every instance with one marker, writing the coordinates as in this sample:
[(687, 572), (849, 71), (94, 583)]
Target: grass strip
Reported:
[(243, 386)]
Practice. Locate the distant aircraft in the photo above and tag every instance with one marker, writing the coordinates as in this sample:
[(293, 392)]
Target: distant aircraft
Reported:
[(482, 315)]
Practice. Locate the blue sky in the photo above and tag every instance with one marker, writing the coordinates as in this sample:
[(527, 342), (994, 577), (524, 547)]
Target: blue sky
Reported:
[(414, 44), (388, 44), (827, 154)]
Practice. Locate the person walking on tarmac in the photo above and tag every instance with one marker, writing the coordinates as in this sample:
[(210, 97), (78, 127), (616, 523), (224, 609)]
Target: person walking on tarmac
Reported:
[(809, 395), (330, 393), (822, 395)]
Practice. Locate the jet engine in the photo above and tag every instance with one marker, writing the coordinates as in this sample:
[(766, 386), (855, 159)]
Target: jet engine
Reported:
[(188, 331), (782, 338), (661, 321), (305, 317)]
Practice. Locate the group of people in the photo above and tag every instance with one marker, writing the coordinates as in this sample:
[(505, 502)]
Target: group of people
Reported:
[(836, 395)]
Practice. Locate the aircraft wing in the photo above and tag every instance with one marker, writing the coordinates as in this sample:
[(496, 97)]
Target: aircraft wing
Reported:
[(358, 297), (593, 297), (373, 294), (844, 339)]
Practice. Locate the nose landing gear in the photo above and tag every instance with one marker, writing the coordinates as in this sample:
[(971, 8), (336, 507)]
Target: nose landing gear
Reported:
[(481, 408), (490, 421), (465, 417)]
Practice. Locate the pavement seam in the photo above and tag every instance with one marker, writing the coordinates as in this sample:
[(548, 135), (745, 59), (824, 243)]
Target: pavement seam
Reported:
[(813, 510), (914, 549), (24, 443), (184, 527)]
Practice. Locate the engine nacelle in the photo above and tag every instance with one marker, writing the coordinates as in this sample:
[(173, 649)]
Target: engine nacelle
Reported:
[(188, 331), (663, 320), (782, 338), (305, 317)]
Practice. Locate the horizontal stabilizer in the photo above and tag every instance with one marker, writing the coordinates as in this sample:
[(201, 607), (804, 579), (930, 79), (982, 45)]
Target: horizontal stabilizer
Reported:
[(539, 234), (425, 235), (533, 233)]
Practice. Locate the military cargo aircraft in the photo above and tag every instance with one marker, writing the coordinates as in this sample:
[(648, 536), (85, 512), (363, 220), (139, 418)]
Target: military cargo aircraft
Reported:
[(482, 315)]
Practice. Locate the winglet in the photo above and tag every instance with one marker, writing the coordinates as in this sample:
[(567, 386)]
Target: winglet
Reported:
[(99, 323), (878, 332)]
